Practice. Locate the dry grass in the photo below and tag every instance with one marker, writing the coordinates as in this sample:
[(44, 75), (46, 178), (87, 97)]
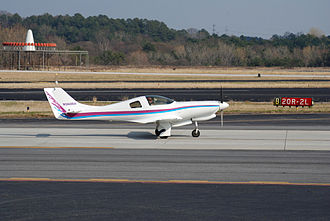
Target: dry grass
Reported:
[(41, 85), (25, 115), (41, 79), (62, 77), (217, 70), (18, 109), (41, 109), (21, 106)]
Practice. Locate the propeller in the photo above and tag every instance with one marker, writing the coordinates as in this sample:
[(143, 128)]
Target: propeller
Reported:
[(221, 111)]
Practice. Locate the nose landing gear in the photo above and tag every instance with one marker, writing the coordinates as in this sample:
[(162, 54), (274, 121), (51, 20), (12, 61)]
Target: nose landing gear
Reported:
[(196, 132)]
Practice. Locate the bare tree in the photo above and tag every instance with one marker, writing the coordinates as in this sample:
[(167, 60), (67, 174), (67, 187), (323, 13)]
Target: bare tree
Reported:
[(138, 58), (14, 34), (103, 41)]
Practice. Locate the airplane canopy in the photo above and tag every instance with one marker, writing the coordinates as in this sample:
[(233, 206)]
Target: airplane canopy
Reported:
[(158, 100)]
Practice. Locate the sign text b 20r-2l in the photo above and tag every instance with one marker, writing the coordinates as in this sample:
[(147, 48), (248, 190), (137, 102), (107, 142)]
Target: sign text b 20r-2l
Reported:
[(293, 101)]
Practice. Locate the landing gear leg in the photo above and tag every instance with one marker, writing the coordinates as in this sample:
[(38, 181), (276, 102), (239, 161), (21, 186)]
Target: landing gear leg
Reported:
[(196, 132), (163, 130), (157, 132)]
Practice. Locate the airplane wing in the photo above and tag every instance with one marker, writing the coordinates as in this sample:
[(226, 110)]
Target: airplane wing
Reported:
[(168, 118)]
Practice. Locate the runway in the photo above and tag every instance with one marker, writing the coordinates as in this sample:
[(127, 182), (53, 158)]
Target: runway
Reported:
[(183, 166), (103, 148), (180, 139), (299, 121), (157, 181), (234, 94), (56, 170), (143, 201), (241, 132)]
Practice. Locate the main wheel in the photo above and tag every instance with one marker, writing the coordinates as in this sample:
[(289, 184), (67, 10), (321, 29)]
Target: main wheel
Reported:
[(195, 133), (158, 132)]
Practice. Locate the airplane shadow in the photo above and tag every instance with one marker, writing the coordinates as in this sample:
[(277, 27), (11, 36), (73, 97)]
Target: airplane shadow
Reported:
[(136, 135)]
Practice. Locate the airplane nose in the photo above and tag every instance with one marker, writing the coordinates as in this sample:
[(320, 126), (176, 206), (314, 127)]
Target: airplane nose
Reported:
[(223, 105)]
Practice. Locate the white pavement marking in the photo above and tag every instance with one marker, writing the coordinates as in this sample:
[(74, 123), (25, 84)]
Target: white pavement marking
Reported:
[(181, 139)]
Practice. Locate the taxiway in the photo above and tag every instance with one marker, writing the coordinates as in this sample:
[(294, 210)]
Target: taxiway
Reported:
[(82, 149), (180, 139), (255, 167)]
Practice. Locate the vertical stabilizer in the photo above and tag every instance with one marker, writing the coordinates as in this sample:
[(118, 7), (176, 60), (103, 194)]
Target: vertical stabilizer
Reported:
[(29, 41), (62, 103)]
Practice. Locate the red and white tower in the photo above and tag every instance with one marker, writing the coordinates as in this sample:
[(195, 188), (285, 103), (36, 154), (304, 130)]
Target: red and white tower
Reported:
[(29, 42), (28, 45)]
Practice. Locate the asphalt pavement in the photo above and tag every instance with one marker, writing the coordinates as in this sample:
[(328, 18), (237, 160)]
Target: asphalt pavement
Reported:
[(69, 183), (315, 121), (142, 201), (187, 165), (116, 193), (230, 94)]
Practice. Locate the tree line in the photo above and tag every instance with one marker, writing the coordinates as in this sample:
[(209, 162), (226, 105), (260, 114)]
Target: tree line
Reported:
[(150, 42)]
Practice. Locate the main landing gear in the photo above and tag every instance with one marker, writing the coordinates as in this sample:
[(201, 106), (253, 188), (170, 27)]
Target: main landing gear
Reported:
[(196, 132), (163, 130), (165, 133), (158, 132)]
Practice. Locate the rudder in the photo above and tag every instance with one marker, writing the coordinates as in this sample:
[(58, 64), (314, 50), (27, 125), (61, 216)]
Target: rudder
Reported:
[(61, 102)]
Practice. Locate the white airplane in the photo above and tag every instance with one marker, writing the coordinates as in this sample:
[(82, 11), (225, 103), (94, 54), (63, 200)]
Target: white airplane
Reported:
[(164, 112)]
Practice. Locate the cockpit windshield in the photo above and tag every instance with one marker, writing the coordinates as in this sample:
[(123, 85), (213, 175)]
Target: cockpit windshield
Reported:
[(158, 100)]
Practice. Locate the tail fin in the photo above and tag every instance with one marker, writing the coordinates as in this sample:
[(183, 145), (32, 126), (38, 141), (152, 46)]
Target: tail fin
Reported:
[(62, 103)]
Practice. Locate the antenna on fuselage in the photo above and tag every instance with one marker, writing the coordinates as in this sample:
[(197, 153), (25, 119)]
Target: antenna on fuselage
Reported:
[(56, 82)]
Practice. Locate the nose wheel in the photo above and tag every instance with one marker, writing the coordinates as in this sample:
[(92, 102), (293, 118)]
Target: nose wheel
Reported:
[(196, 132)]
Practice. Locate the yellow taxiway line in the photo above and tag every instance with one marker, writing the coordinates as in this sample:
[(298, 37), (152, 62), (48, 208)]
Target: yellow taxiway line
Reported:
[(17, 179)]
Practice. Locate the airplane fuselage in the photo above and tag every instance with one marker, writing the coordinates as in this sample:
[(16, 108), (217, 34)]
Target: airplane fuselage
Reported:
[(121, 111), (166, 113)]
